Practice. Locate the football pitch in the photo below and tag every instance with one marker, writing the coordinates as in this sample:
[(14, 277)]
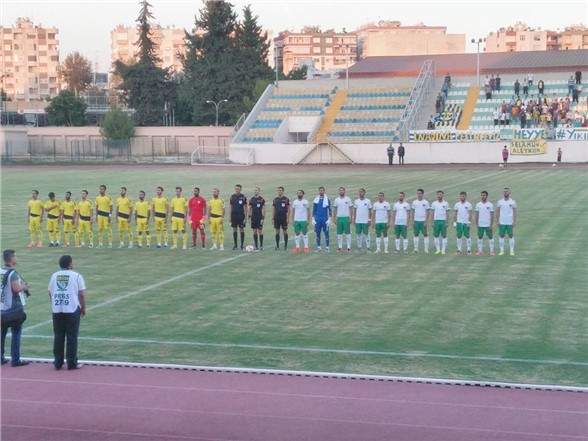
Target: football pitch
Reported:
[(513, 319)]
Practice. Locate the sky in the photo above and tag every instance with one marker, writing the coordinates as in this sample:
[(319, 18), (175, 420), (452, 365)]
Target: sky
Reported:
[(85, 25)]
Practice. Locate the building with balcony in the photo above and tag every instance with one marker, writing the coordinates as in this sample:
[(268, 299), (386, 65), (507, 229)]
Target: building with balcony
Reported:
[(29, 61), (522, 38)]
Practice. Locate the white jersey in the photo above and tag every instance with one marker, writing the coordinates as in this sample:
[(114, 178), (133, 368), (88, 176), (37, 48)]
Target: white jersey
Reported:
[(362, 210), (6, 294), (381, 209), (440, 210), (401, 209), (64, 287), (300, 207), (507, 208), (463, 212), (343, 206), (420, 209), (485, 210)]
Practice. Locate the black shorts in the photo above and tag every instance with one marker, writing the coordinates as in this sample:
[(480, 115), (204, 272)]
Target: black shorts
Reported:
[(238, 220), (281, 223), (256, 223)]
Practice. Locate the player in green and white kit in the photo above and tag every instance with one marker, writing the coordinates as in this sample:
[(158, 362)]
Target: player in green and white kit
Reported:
[(462, 222), (506, 219), (362, 217), (420, 218), (381, 219), (440, 209), (400, 211), (342, 216), (484, 220), (300, 219)]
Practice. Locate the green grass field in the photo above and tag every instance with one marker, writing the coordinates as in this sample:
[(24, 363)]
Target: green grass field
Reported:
[(514, 319)]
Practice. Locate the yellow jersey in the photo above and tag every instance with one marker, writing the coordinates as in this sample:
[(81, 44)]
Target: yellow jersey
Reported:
[(104, 203), (53, 208), (216, 206), (179, 205), (69, 209), (36, 207), (124, 205), (160, 204), (142, 209), (85, 208)]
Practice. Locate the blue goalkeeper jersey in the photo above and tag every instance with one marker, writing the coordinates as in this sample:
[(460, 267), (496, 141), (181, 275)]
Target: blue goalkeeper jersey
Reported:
[(321, 213)]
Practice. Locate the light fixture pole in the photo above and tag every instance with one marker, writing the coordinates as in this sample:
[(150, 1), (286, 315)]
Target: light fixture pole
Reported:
[(216, 106), (478, 42), (347, 67), (277, 60)]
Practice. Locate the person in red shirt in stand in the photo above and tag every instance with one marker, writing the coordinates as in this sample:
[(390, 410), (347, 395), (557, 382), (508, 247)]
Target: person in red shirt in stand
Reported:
[(197, 217), (505, 155)]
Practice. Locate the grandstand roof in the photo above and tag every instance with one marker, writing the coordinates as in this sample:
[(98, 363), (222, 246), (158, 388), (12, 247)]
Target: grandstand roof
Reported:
[(465, 64)]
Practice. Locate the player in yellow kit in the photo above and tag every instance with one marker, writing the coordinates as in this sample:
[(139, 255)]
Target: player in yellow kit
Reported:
[(35, 218), (124, 210), (142, 211), (103, 213), (53, 209), (216, 217), (179, 205), (85, 219), (160, 208), (69, 210)]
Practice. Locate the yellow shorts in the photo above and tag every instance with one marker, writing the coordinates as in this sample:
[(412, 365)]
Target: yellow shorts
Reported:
[(68, 226), (124, 225), (84, 226), (160, 224), (178, 224), (216, 224), (104, 223), (35, 223), (52, 224), (142, 225)]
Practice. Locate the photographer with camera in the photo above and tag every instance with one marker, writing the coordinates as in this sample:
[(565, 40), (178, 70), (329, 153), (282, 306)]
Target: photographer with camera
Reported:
[(12, 301), (68, 303)]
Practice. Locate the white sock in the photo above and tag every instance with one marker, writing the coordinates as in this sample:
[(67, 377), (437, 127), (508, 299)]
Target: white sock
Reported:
[(405, 244), (459, 242), (397, 243), (436, 241), (511, 243), (368, 242), (469, 244), (378, 242), (305, 237), (480, 244), (444, 244), (386, 239), (427, 242), (501, 244), (491, 243), (340, 240), (348, 237), (415, 241), (297, 240), (358, 240)]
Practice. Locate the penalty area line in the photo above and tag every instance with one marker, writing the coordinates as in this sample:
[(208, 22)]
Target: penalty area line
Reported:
[(145, 289)]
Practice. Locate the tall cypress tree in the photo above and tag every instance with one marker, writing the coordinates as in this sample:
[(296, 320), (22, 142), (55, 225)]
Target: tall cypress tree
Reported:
[(145, 86)]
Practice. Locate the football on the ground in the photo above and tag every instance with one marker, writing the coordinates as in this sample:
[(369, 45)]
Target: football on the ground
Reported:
[(249, 248), (554, 165), (500, 165)]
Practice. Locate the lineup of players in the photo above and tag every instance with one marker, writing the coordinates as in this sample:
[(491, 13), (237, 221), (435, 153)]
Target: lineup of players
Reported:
[(77, 219)]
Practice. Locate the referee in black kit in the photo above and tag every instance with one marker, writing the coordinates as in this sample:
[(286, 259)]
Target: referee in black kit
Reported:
[(238, 203)]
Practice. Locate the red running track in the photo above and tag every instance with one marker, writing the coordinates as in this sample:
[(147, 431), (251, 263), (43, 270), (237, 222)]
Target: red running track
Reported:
[(130, 404)]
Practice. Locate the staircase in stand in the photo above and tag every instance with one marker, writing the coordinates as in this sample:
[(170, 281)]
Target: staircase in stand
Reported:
[(330, 116)]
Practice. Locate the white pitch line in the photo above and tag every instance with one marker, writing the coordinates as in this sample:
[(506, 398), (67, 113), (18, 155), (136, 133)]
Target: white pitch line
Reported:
[(147, 288), (325, 350)]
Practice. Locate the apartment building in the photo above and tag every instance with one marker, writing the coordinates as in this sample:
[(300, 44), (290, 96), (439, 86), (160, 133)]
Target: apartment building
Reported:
[(29, 59), (322, 50), (521, 38), (388, 38)]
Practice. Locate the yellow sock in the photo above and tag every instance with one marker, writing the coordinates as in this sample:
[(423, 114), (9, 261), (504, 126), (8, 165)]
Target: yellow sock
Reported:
[(91, 236), (131, 238), (32, 235), (51, 236), (221, 237), (175, 238), (76, 237), (166, 236), (109, 233), (40, 232), (148, 239)]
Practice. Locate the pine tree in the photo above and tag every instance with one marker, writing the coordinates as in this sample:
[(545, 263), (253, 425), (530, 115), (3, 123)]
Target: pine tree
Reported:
[(145, 87)]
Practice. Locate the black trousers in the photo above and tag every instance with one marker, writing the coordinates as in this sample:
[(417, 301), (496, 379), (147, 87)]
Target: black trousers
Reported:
[(401, 159), (66, 326), (390, 159)]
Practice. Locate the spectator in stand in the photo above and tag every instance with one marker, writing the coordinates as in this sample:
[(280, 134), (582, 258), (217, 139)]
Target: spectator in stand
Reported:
[(566, 104), (530, 78), (431, 123), (571, 85), (496, 115), (497, 82), (492, 83), (540, 87), (569, 118), (526, 87), (517, 87), (578, 77), (448, 79), (503, 118), (486, 81), (523, 118), (575, 93), (507, 116), (445, 88), (488, 91), (503, 106)]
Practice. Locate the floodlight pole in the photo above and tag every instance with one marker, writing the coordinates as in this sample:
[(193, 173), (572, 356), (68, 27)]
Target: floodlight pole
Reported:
[(477, 42), (347, 67), (216, 106), (276, 59)]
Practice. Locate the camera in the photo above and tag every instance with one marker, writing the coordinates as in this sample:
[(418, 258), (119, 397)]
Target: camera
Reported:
[(27, 293)]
